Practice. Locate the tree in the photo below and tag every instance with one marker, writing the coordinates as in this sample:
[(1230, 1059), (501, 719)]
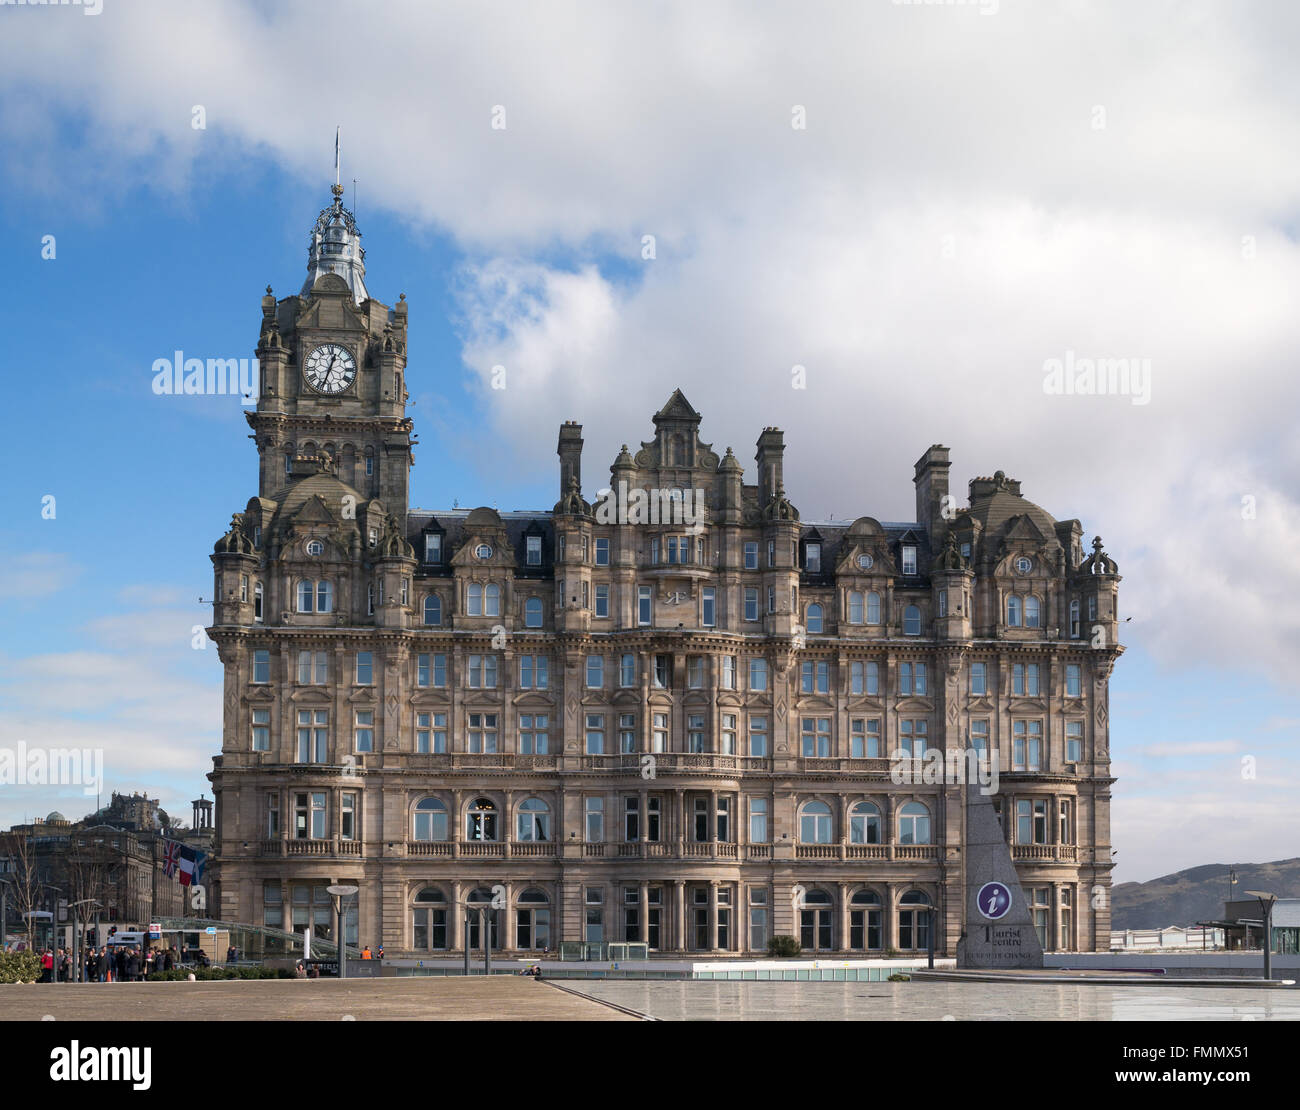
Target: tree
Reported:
[(26, 889)]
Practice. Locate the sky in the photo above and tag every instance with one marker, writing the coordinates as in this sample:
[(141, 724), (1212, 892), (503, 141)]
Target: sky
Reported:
[(921, 206)]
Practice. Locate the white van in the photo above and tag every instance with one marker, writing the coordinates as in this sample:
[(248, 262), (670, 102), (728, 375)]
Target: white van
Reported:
[(129, 939)]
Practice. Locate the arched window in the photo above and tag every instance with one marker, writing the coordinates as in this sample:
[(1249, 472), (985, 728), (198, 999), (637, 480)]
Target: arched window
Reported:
[(914, 824), (533, 919), (1013, 610), (815, 921), (873, 608), (912, 621), (324, 597), (864, 824), (430, 820), (914, 921), (1031, 612), (306, 597), (533, 820), (481, 821), (474, 599), (1074, 619), (533, 613), (433, 609), (855, 607), (429, 920), (492, 600), (815, 823), (814, 618), (864, 921)]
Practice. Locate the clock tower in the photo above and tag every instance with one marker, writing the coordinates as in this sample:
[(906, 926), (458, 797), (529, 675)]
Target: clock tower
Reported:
[(333, 368)]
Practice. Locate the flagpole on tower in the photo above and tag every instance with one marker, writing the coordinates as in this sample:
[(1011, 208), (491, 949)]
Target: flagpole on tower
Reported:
[(337, 133)]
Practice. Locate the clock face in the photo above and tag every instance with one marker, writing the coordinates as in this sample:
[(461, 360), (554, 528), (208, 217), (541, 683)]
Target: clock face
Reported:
[(330, 368)]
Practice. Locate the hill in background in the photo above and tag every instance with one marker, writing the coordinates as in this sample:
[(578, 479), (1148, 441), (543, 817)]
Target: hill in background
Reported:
[(1198, 893)]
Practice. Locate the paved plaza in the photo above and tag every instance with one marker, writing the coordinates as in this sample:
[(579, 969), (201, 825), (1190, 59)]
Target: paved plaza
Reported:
[(831, 1001), (511, 998), (498, 998)]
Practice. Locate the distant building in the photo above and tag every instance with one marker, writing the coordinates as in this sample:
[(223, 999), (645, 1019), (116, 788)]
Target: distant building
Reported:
[(1243, 924)]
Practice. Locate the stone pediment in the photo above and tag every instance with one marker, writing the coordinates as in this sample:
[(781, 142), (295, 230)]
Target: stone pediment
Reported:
[(535, 700), (909, 703), (626, 696), (318, 695), (314, 511), (862, 702)]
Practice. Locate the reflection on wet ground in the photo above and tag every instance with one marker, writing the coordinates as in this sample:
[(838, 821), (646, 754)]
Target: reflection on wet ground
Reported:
[(694, 1000)]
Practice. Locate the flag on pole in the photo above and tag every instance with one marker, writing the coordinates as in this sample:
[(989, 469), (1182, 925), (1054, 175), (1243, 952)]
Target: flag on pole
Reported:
[(200, 861), (171, 856), (186, 865)]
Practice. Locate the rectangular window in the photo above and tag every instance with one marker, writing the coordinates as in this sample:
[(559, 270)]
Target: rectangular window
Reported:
[(771, 553), (979, 737), (659, 737), (751, 555), (708, 616), (627, 733), (758, 820), (482, 672), (758, 674), (595, 823), (595, 734), (348, 816), (912, 737), (313, 668), (1073, 680), (482, 734), (728, 672), (758, 737), (771, 600), (812, 560), (904, 678), (1017, 678), (663, 671), (864, 738), (857, 681), (313, 735), (751, 604), (695, 733), (431, 669), (918, 670), (364, 731), (1074, 741), (533, 551), (1027, 745), (695, 672), (261, 730), (432, 548), (261, 666), (595, 672), (816, 737), (978, 680), (533, 734), (602, 551), (727, 741), (909, 559), (644, 614), (431, 733), (365, 668), (273, 823), (602, 601), (627, 670), (943, 603)]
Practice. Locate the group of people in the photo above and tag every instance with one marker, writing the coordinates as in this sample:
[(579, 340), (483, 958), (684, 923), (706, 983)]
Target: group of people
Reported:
[(117, 964)]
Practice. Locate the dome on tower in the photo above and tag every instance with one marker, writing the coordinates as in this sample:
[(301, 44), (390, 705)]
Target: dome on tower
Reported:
[(335, 248)]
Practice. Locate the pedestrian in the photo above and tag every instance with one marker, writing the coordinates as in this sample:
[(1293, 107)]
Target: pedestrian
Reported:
[(92, 966), (167, 959), (119, 961), (299, 971), (103, 965), (132, 965), (47, 966), (365, 953), (65, 965)]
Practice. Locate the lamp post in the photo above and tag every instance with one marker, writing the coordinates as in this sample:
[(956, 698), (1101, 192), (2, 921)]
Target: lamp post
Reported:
[(1266, 901), (339, 893)]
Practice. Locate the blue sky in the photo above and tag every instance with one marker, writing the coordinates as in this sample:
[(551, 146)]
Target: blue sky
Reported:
[(922, 247)]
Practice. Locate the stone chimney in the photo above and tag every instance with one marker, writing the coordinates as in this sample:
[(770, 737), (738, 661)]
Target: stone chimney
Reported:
[(931, 481)]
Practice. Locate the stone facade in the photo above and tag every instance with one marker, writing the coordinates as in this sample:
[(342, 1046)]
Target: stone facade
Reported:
[(645, 718)]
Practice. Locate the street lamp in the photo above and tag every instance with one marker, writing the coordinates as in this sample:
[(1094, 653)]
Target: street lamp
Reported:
[(339, 893), (1266, 901), (54, 926)]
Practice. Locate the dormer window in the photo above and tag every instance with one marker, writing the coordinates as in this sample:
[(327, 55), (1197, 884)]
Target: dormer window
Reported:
[(909, 558), (257, 535), (432, 547), (374, 537), (533, 554), (812, 558)]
